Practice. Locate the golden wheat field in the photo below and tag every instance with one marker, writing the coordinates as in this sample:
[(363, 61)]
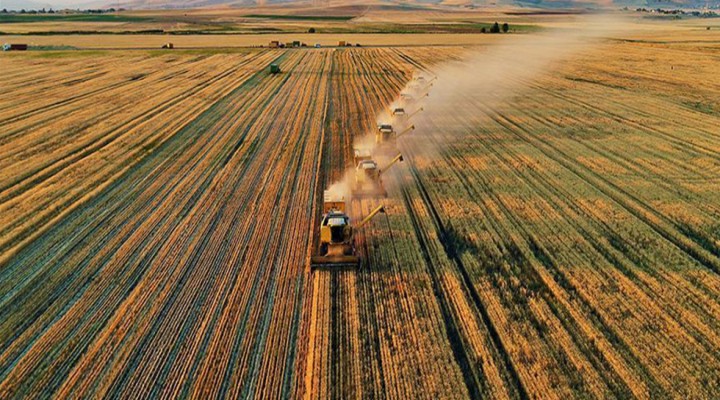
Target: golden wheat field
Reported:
[(158, 211)]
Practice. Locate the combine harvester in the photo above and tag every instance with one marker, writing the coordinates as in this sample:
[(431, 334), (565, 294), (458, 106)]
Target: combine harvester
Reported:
[(401, 113), (386, 133), (337, 247), (368, 178), (362, 154), (398, 111)]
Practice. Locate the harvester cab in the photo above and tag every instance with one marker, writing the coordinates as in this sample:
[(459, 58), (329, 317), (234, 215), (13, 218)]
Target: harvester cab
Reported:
[(337, 249), (398, 111)]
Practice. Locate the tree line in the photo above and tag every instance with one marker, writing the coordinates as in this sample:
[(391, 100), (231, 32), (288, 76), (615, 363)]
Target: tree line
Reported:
[(496, 28)]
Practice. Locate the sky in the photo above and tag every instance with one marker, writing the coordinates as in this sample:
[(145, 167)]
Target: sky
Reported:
[(55, 4)]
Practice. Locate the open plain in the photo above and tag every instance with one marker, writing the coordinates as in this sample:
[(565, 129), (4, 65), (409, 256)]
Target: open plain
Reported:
[(554, 236)]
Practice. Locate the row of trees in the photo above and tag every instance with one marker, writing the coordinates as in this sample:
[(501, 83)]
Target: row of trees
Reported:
[(496, 28)]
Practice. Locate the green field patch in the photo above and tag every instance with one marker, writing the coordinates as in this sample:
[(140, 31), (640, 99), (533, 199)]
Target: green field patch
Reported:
[(52, 48), (303, 17), (458, 27), (61, 52), (25, 18)]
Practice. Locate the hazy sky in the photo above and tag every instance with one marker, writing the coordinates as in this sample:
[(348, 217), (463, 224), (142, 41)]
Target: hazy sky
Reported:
[(57, 4)]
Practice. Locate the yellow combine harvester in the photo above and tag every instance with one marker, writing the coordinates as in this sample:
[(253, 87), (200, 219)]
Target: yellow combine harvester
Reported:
[(368, 178), (362, 154), (386, 133), (337, 249)]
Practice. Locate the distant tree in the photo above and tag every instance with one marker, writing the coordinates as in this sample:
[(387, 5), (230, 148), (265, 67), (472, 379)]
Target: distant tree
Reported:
[(483, 30), (4, 11), (22, 11), (495, 28), (311, 30), (505, 27)]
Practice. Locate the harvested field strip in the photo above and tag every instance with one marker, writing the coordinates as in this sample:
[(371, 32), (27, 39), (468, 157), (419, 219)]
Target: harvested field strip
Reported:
[(696, 207), (627, 200), (77, 162), (359, 360), (151, 253)]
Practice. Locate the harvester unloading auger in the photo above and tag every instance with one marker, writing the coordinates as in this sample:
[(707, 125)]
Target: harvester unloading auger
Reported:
[(400, 112), (415, 113), (337, 248), (368, 177)]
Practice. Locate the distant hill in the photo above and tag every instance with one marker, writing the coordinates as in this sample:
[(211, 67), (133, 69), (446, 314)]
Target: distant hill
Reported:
[(149, 4), (613, 3), (23, 5), (180, 4)]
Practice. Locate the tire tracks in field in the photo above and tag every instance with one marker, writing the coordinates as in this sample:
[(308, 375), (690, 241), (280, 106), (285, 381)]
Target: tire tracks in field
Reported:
[(708, 210), (542, 255), (454, 336), (627, 200)]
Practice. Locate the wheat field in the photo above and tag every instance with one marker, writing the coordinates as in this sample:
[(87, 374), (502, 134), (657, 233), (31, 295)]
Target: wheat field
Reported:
[(158, 211)]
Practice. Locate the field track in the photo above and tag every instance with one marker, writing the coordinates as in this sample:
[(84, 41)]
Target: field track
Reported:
[(158, 210)]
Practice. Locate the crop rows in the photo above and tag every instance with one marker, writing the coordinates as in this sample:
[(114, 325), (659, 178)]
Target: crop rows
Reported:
[(58, 149), (574, 226), (151, 288), (552, 247), (366, 328), (158, 212)]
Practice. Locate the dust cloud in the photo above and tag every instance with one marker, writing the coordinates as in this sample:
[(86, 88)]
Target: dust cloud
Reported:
[(448, 100), (495, 74)]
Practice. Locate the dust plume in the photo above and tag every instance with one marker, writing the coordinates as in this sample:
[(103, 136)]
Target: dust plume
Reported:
[(341, 190), (492, 75), (450, 100)]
